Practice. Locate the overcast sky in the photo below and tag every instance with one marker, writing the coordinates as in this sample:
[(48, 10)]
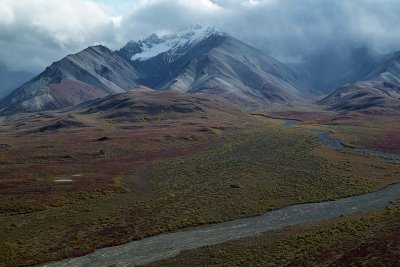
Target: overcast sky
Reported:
[(34, 33)]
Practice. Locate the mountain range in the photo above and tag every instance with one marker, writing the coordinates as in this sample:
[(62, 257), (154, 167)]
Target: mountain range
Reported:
[(332, 68), (365, 81), (212, 62), (198, 60), (367, 96), (204, 60)]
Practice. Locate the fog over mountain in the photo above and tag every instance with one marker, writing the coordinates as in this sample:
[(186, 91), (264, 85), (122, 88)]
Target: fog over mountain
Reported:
[(289, 30), (9, 80)]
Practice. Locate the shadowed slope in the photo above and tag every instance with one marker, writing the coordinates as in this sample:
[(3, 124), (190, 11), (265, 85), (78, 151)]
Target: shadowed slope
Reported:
[(368, 96), (92, 73)]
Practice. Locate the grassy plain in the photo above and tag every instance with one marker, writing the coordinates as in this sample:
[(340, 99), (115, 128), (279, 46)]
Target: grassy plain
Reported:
[(142, 178), (360, 130)]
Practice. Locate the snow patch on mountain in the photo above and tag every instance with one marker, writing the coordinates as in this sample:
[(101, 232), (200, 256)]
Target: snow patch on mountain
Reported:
[(173, 45)]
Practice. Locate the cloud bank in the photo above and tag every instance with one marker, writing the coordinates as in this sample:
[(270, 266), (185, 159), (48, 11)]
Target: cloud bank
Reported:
[(34, 33)]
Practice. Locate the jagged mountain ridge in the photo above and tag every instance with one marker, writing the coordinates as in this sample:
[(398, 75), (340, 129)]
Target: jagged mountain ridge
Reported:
[(377, 90), (334, 67), (198, 60), (365, 96), (216, 64), (94, 72), (387, 70), (170, 45)]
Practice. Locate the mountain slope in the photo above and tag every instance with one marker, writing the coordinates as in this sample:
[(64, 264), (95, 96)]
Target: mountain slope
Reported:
[(374, 85), (204, 60), (89, 74), (387, 70), (365, 96), (9, 80), (198, 60), (334, 67)]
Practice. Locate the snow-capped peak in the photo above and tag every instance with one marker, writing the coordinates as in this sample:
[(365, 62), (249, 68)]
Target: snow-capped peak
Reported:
[(174, 44)]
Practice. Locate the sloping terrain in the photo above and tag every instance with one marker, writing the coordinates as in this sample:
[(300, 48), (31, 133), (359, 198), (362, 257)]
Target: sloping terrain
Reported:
[(387, 70), (366, 96), (334, 67), (92, 73), (199, 59), (147, 105), (205, 60)]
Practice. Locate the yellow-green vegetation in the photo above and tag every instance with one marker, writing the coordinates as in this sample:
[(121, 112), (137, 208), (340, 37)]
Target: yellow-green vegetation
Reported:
[(381, 133), (28, 206), (117, 181), (247, 172), (360, 130), (371, 239), (265, 167)]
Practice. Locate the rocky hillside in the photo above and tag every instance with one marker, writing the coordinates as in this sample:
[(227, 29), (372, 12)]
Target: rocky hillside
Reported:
[(92, 73), (367, 96), (198, 60)]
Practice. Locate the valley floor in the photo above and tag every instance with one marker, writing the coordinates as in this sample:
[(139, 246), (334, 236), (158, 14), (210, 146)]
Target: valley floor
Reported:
[(371, 239), (137, 179)]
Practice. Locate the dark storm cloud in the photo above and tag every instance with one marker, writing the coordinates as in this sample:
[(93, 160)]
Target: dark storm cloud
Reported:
[(287, 29), (284, 28)]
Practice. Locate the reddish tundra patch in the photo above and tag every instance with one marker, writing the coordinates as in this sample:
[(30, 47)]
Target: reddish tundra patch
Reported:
[(320, 117), (391, 142), (75, 92)]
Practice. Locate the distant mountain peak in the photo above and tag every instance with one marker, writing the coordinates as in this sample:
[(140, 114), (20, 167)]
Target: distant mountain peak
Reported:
[(365, 96), (173, 43), (195, 33), (200, 59)]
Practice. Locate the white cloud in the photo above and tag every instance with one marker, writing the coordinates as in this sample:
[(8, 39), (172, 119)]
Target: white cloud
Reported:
[(33, 33), (6, 14), (45, 28)]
